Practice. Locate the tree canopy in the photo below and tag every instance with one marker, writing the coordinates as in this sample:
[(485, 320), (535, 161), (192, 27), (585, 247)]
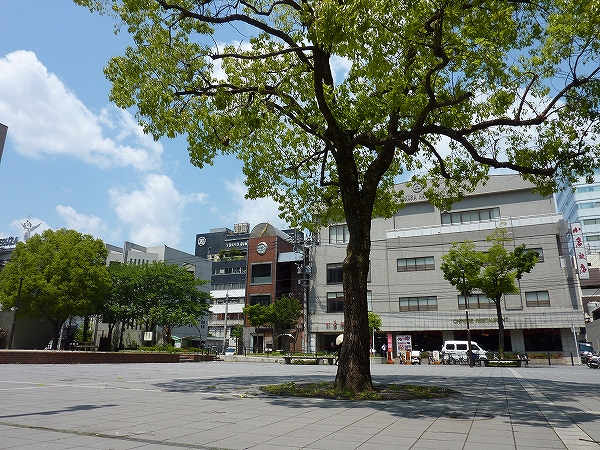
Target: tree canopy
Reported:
[(64, 275), (333, 101), (493, 271), (154, 294)]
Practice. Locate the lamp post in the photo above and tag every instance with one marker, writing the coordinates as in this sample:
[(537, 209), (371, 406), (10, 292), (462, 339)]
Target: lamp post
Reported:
[(14, 322), (469, 349)]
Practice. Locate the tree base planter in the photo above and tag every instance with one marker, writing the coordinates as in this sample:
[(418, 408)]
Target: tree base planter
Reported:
[(503, 363), (309, 360)]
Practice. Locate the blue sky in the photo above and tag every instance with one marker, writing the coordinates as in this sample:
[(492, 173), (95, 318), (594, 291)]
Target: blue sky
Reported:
[(72, 159)]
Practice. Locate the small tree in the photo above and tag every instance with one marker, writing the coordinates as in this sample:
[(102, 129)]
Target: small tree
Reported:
[(237, 333), (282, 314), (493, 272), (374, 325)]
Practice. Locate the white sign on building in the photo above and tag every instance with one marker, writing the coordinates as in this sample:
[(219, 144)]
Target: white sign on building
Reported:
[(580, 256)]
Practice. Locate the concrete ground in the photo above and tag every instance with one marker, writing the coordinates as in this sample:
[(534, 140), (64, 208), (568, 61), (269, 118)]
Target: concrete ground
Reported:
[(213, 405)]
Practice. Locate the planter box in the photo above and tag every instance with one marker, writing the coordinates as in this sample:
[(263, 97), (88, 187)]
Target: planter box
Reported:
[(503, 363)]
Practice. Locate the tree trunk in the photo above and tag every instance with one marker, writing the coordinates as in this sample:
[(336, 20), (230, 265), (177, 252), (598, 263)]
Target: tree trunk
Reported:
[(354, 370), (498, 302)]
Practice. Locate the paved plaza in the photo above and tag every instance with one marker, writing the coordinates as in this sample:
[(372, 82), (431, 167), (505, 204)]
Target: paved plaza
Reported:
[(216, 405)]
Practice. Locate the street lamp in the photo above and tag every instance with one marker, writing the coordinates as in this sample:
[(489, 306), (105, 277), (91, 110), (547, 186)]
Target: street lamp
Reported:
[(225, 324), (469, 349), (14, 322)]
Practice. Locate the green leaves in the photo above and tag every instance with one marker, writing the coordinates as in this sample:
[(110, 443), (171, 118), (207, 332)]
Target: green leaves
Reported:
[(64, 275), (493, 271), (283, 313)]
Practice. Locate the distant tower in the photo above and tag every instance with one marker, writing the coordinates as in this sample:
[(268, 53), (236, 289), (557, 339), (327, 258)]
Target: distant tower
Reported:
[(28, 227), (3, 130)]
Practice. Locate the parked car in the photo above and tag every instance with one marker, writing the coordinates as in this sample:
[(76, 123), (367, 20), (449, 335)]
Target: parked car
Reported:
[(593, 362), (586, 350), (230, 351), (454, 352)]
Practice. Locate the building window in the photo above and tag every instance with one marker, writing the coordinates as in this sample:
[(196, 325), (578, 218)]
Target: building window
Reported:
[(540, 253), (335, 302), (338, 234), (476, 301), (476, 215), (369, 301), (264, 300), (418, 304), (228, 270), (335, 273), (537, 298), (261, 273), (412, 264), (227, 286)]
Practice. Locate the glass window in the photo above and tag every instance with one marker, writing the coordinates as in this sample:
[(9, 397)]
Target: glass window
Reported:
[(261, 273), (540, 253), (335, 302), (475, 215), (338, 234), (418, 304), (537, 298), (264, 300), (476, 301), (335, 273), (413, 264)]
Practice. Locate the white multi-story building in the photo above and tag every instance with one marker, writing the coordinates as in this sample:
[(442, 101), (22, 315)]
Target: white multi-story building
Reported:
[(407, 289), (581, 204)]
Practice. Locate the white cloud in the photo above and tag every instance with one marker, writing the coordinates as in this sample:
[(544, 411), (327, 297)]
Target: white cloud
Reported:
[(341, 67), (45, 117), (154, 212), (251, 211), (85, 224)]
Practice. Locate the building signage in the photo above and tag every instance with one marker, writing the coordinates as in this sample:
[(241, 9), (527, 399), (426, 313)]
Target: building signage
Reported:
[(479, 320), (201, 241), (417, 194), (262, 248), (403, 344), (9, 242), (236, 244), (578, 245)]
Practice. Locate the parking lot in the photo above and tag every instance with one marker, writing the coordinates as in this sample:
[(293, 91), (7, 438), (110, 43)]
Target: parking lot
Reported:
[(217, 405)]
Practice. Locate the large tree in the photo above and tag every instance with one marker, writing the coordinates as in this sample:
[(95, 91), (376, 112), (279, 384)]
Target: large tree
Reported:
[(493, 271), (327, 102), (172, 297), (63, 275), (122, 303)]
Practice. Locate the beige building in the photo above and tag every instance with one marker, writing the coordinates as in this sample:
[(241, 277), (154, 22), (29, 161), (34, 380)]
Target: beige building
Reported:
[(409, 293)]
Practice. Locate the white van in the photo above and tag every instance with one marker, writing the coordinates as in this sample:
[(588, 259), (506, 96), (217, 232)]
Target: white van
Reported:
[(456, 352)]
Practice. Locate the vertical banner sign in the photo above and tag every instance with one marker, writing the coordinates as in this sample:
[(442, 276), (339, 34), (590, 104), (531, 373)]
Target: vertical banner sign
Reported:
[(580, 256)]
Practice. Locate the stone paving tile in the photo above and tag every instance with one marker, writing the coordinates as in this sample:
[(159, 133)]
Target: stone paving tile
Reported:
[(144, 404)]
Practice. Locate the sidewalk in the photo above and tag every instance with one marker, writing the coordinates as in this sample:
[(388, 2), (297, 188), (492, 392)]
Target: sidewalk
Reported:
[(214, 406)]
